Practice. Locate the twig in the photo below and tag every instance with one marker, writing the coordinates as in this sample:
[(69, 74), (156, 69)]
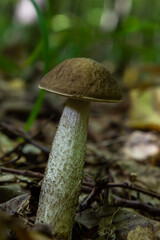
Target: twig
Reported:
[(86, 189), (95, 189), (21, 133), (14, 150), (111, 142), (90, 185), (17, 149), (136, 204), (26, 173), (98, 187), (11, 161), (43, 149), (137, 189)]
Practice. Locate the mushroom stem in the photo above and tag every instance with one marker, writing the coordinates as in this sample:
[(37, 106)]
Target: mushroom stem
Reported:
[(63, 176)]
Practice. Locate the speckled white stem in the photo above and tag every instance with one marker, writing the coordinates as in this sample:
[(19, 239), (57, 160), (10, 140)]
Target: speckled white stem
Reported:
[(63, 176)]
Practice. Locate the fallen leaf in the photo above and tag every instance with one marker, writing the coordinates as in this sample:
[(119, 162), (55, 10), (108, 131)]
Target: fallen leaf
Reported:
[(140, 233), (142, 146)]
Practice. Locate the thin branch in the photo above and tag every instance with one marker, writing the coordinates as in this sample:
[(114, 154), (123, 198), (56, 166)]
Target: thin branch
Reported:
[(96, 190), (11, 161), (14, 150), (34, 143), (90, 185), (21, 133), (86, 189), (136, 204), (137, 189), (26, 173)]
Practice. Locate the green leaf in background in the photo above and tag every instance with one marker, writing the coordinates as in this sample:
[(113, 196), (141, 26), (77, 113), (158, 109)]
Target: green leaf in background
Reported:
[(45, 48)]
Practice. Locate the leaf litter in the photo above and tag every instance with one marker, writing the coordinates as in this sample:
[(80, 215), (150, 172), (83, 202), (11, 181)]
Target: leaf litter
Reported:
[(127, 155)]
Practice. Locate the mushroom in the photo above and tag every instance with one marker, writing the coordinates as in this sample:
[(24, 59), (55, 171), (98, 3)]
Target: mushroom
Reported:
[(81, 80)]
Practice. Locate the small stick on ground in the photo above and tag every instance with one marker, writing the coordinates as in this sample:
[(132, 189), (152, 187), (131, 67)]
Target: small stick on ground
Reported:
[(98, 187), (26, 173), (137, 189), (89, 185), (21, 133), (135, 204), (11, 161), (16, 149)]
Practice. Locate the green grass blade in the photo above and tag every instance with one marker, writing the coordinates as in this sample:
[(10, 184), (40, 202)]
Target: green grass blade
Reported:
[(35, 110), (44, 34)]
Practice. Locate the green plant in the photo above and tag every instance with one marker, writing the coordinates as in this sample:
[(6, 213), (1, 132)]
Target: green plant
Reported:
[(45, 48)]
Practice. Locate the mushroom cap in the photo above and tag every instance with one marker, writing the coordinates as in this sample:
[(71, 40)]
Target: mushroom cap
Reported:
[(82, 78)]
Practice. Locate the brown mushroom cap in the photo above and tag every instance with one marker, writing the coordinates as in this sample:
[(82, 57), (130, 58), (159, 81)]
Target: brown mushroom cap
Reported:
[(82, 78)]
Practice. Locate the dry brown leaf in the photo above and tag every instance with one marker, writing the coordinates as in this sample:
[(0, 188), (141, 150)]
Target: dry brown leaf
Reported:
[(140, 233)]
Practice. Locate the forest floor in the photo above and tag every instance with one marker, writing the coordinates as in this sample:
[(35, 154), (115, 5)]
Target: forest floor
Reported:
[(120, 196)]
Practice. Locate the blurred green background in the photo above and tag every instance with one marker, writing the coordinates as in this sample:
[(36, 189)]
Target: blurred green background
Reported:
[(118, 31), (36, 35)]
